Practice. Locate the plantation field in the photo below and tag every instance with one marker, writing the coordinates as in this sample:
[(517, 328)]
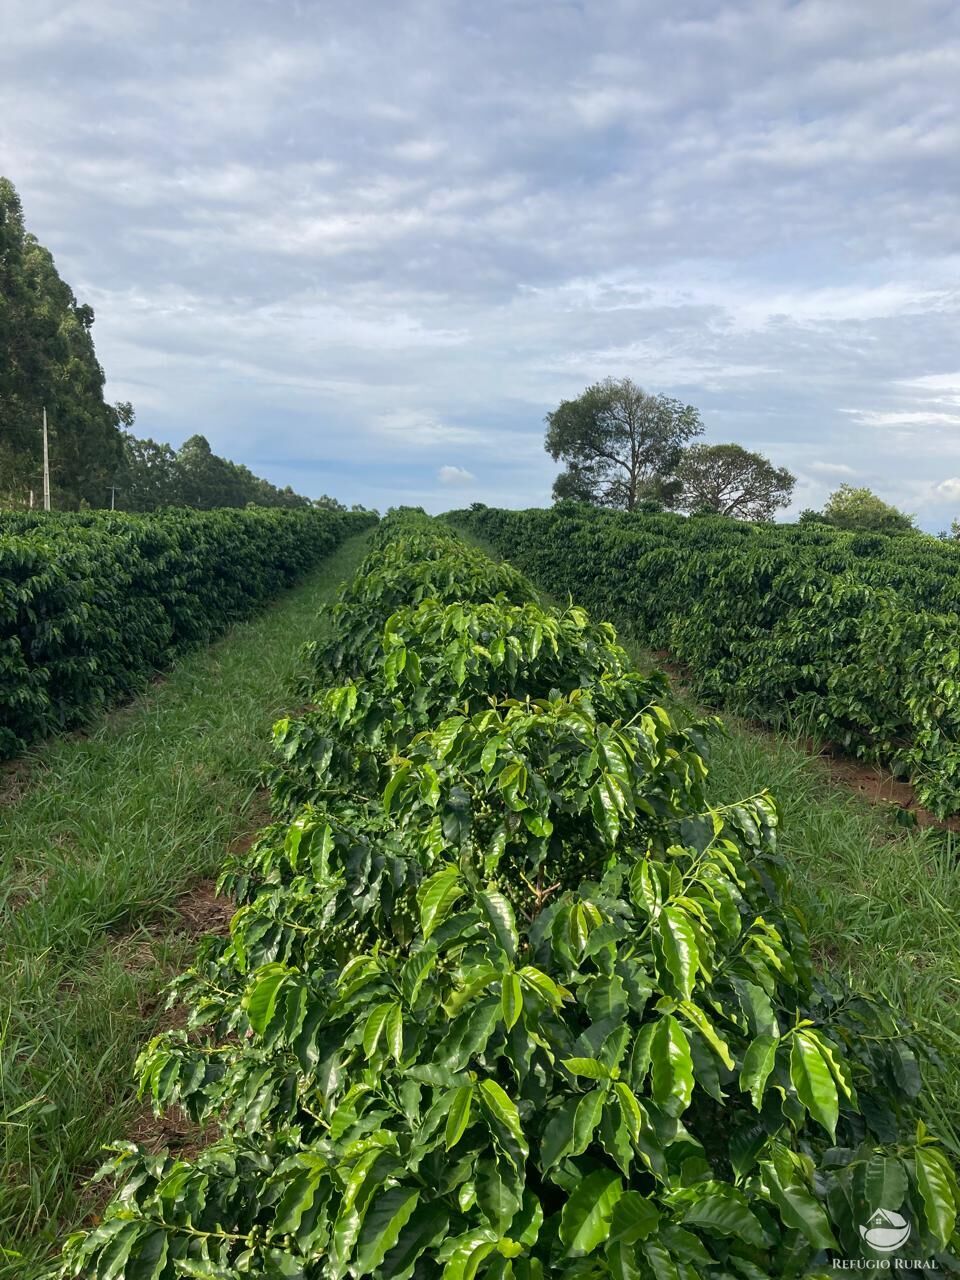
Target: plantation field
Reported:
[(853, 636), (880, 900), (104, 839), (510, 992), (93, 604)]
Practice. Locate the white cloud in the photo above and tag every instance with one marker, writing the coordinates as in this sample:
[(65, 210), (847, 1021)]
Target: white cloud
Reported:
[(455, 475), (948, 490), (831, 469), (905, 418), (419, 150)]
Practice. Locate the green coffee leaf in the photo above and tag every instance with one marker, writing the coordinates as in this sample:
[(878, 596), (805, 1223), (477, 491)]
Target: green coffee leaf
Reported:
[(634, 1218), (585, 1218), (716, 1208), (502, 1112), (426, 1227), (605, 802), (590, 1068), (511, 1000), (499, 1193), (709, 1032), (500, 914), (436, 897), (393, 1032), (798, 1208), (260, 1000), (148, 1256), (585, 1120), (758, 1062), (471, 1250), (885, 1182), (388, 1214), (672, 1066), (458, 1116), (679, 942), (398, 779), (813, 1080), (375, 1026), (937, 1188)]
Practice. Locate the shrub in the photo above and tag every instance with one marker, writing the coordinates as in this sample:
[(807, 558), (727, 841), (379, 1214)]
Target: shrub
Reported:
[(90, 605)]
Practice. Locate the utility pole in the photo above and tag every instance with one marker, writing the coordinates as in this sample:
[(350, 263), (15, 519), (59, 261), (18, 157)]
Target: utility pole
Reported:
[(113, 497), (46, 464)]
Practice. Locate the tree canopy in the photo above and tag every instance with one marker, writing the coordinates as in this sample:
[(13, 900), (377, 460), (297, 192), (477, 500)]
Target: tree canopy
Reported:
[(620, 444), (154, 475), (731, 481), (853, 508), (47, 360)]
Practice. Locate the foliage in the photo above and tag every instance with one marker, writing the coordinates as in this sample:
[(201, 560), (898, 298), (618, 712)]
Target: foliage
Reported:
[(852, 508), (619, 443), (154, 476), (147, 479), (854, 633), (505, 998), (91, 604), (728, 480), (47, 359)]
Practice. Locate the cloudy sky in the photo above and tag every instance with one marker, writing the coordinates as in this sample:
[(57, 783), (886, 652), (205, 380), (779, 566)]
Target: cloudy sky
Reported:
[(365, 247)]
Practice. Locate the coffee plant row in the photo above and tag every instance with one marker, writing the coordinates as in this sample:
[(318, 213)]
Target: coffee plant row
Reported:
[(504, 997), (856, 633), (92, 604)]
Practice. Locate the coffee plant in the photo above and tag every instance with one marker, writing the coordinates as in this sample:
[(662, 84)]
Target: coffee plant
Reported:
[(855, 634), (92, 604), (504, 997)]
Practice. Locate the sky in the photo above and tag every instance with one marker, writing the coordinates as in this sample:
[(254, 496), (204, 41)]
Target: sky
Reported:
[(364, 248)]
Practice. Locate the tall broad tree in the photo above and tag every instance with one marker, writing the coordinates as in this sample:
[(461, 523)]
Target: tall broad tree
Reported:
[(204, 477), (859, 508), (619, 443), (732, 481), (47, 360), (149, 479)]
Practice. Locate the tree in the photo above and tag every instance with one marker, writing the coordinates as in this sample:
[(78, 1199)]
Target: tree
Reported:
[(851, 508), (148, 478), (731, 481), (620, 445), (47, 359)]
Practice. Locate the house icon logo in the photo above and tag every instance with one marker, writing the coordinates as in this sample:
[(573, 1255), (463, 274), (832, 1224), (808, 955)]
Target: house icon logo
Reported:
[(885, 1231)]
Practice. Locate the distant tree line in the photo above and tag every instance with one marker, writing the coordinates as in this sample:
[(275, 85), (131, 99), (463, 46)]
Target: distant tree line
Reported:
[(47, 360), (152, 475), (623, 447)]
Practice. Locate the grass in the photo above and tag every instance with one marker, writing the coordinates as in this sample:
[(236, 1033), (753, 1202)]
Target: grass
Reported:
[(108, 832), (881, 903)]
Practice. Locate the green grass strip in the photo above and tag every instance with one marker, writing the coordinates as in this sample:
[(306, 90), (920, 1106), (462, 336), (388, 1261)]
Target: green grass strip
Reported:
[(110, 831)]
